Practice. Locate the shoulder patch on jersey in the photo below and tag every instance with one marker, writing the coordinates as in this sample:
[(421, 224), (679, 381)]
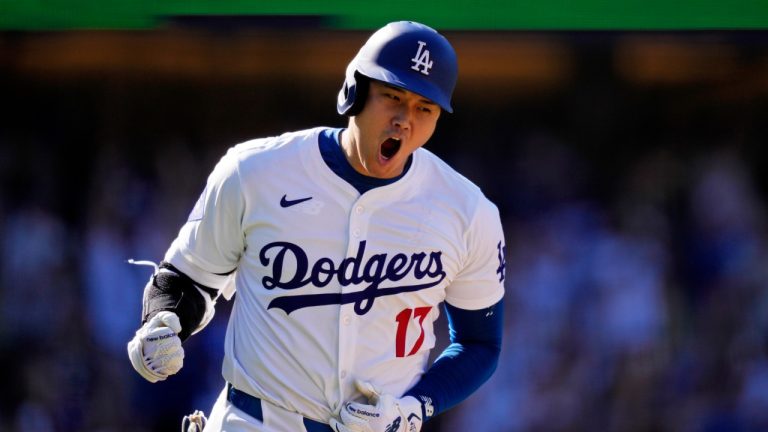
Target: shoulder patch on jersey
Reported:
[(199, 209)]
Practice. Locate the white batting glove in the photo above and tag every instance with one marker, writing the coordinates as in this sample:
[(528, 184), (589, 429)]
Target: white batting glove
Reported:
[(155, 351), (385, 413)]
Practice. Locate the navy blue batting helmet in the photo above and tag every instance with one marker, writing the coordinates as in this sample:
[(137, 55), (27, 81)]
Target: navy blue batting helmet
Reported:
[(405, 54)]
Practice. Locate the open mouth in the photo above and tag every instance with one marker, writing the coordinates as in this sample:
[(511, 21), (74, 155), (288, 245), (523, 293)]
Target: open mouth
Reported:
[(389, 148)]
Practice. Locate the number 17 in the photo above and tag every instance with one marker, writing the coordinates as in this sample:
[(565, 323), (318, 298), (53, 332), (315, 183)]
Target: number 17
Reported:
[(403, 319)]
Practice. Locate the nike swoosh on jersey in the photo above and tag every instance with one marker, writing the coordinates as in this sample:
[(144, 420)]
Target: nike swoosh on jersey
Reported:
[(285, 202)]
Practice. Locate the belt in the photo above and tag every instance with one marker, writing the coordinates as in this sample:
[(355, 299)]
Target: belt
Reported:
[(251, 405)]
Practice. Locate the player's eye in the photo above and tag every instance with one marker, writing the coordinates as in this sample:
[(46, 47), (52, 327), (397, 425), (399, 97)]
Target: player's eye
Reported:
[(392, 96), (425, 109)]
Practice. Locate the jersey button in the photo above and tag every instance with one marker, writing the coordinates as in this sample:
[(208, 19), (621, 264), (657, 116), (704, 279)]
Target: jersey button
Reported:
[(343, 374), (359, 209), (356, 232), (346, 320)]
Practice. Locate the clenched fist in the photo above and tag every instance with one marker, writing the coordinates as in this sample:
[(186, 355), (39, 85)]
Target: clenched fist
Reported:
[(155, 351), (383, 413)]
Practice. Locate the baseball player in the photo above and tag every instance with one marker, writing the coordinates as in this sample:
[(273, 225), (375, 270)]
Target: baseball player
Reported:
[(343, 246)]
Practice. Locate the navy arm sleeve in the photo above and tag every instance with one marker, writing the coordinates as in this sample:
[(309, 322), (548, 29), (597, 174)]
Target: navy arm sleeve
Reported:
[(466, 363)]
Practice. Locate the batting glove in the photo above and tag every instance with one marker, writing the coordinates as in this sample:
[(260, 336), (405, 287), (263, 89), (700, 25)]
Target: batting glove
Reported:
[(155, 351), (385, 413)]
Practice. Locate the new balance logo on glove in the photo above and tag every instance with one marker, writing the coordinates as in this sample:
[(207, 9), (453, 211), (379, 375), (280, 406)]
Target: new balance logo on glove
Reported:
[(382, 412)]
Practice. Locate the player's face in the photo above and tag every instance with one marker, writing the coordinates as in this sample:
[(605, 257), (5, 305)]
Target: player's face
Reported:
[(391, 126)]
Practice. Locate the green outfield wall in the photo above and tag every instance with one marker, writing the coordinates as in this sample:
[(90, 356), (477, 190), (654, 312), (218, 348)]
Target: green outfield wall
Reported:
[(348, 14)]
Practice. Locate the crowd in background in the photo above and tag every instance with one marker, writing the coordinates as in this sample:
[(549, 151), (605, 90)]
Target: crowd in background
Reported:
[(636, 263)]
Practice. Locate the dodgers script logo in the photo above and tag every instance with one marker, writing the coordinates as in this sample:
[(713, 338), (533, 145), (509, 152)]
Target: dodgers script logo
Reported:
[(380, 271), (421, 59)]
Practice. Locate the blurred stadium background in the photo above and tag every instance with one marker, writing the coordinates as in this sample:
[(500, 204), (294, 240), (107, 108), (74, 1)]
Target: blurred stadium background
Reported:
[(624, 143)]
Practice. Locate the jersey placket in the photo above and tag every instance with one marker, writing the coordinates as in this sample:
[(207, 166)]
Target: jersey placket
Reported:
[(357, 231)]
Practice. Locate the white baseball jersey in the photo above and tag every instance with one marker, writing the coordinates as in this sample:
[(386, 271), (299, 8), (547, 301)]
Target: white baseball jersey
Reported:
[(333, 285)]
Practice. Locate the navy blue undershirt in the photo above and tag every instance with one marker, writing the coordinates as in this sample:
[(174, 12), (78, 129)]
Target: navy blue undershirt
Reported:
[(475, 335)]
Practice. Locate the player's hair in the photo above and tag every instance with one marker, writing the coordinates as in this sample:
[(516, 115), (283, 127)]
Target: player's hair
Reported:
[(404, 54)]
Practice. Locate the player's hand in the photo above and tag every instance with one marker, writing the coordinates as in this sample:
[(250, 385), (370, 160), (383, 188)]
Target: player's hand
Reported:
[(155, 351), (384, 413)]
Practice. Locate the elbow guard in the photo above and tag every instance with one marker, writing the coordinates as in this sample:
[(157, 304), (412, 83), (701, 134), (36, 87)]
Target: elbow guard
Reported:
[(171, 290)]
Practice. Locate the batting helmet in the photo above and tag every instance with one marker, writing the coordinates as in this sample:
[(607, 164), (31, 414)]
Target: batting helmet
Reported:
[(404, 54)]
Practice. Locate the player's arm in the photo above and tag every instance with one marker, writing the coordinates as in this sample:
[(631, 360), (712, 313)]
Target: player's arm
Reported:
[(174, 307), (466, 363), (179, 299), (474, 309)]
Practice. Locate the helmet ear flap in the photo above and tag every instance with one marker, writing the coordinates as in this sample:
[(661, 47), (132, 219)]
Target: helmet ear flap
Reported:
[(352, 95)]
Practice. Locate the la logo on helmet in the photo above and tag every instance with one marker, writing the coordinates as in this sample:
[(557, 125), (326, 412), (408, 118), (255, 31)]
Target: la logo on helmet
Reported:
[(421, 59)]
